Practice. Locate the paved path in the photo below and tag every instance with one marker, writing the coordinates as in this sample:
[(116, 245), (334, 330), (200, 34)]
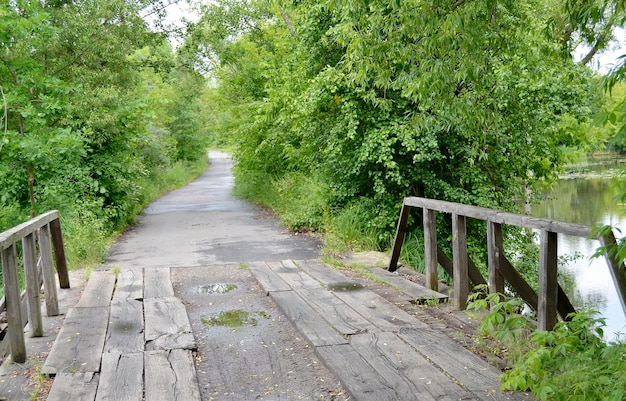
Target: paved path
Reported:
[(202, 224)]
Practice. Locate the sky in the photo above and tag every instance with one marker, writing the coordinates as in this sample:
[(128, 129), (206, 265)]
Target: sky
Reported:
[(604, 61)]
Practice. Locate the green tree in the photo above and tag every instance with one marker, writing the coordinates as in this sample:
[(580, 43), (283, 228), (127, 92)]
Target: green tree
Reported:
[(80, 108), (463, 101)]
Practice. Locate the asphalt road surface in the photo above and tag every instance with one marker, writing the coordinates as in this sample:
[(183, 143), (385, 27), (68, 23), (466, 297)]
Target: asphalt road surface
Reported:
[(248, 350), (202, 224)]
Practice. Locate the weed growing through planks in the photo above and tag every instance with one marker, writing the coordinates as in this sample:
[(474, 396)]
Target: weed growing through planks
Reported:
[(42, 384), (432, 301)]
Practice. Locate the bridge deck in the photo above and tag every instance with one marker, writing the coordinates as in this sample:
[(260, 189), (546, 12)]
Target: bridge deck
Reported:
[(377, 350), (129, 338)]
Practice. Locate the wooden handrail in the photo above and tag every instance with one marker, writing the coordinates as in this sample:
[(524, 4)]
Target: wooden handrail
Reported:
[(550, 299), (48, 228)]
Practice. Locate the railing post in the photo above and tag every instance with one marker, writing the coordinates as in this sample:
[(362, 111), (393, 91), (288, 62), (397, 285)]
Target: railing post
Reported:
[(430, 250), (495, 248), (460, 261), (400, 233), (59, 252), (617, 269), (14, 309), (32, 285), (548, 284), (49, 282)]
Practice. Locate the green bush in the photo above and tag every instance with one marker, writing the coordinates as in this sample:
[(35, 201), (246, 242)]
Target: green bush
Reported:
[(571, 362)]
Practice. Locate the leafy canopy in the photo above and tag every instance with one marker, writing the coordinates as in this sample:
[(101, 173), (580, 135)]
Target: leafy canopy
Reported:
[(463, 101)]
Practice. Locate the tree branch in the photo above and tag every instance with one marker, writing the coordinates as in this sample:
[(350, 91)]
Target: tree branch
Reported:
[(458, 4), (286, 18)]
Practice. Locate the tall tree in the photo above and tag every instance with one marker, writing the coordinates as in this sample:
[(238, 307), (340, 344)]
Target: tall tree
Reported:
[(463, 101), (76, 103)]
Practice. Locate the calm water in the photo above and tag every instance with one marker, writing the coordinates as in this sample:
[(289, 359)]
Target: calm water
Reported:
[(591, 197)]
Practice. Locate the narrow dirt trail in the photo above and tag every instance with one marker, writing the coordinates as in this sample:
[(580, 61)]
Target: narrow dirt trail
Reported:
[(247, 349)]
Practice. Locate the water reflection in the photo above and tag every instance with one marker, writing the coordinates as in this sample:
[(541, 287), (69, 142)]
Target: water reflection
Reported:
[(589, 198)]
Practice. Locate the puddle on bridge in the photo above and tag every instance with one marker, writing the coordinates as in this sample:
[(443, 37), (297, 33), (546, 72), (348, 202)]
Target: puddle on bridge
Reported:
[(125, 327), (233, 318), (344, 286), (216, 288)]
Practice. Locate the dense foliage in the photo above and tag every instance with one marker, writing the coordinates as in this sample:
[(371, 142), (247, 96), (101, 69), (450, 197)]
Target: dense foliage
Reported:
[(373, 101), (96, 106), (571, 362)]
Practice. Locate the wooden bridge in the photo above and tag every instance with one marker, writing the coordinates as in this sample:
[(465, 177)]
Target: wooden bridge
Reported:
[(129, 336), (550, 299)]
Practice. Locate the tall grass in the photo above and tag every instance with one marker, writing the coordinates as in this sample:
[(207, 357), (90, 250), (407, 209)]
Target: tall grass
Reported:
[(349, 230), (300, 201)]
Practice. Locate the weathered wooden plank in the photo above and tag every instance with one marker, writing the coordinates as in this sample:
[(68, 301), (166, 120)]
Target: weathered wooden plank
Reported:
[(157, 282), (415, 292), (399, 238), (129, 284), (167, 324), (495, 249), (121, 377), (459, 261), (307, 320), (564, 305), (294, 276), (337, 313), (79, 344), (617, 269), (126, 330), (446, 263), (59, 253), (411, 376), (4, 345), (49, 281), (462, 365), (374, 308), (170, 376), (355, 374), (377, 310), (267, 278), (548, 284), (430, 249), (33, 285), (15, 234), (500, 217), (98, 290), (74, 387), (518, 283), (322, 272), (13, 305), (280, 267)]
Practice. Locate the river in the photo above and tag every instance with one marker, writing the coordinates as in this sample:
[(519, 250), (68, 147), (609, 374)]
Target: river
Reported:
[(588, 195)]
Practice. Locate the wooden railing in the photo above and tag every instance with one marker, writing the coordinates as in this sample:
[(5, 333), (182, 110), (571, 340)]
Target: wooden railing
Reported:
[(48, 226), (550, 299)]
